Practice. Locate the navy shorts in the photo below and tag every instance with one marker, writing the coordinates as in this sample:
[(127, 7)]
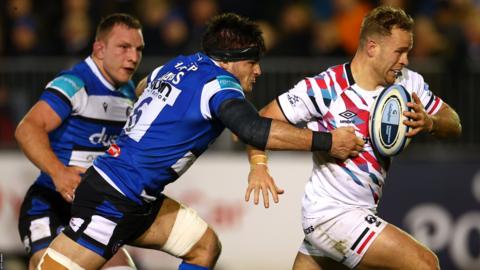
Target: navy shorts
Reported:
[(103, 219), (43, 215)]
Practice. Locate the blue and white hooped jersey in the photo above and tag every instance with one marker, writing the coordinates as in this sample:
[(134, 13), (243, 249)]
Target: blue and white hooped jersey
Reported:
[(333, 99), (93, 113), (173, 122)]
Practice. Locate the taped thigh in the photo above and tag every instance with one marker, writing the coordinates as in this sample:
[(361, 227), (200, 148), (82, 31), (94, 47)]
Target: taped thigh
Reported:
[(53, 260), (186, 232)]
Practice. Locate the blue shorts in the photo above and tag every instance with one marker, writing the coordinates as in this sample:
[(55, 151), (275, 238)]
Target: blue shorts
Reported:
[(43, 215), (103, 219)]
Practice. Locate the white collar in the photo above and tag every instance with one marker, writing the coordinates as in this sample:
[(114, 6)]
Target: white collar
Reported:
[(98, 73)]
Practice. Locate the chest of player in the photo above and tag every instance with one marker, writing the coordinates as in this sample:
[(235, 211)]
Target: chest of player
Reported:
[(350, 108), (102, 107)]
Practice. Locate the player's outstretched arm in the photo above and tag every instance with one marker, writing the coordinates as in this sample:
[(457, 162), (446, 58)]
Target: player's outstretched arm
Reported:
[(242, 119), (32, 137), (343, 144), (444, 124), (259, 179)]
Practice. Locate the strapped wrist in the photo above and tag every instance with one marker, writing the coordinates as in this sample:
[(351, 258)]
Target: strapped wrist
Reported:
[(259, 159), (321, 141)]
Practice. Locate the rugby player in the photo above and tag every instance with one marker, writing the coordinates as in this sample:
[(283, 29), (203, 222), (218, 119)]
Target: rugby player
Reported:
[(342, 229), (79, 114), (185, 106)]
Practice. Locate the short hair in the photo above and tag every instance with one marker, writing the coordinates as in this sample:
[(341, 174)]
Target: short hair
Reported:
[(381, 21), (107, 23), (230, 31)]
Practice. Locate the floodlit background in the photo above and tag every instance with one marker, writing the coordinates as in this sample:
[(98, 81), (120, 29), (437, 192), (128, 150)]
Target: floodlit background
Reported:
[(433, 189)]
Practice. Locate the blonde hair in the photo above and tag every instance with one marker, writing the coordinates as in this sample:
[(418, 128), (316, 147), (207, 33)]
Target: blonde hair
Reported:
[(381, 21)]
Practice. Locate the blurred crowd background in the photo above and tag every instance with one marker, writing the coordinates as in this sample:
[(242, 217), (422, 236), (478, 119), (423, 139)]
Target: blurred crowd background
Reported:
[(40, 38), (447, 31), (447, 28)]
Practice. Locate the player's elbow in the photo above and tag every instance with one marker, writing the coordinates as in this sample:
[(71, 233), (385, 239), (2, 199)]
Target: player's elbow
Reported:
[(20, 132), (255, 132), (453, 132), (24, 130), (458, 130)]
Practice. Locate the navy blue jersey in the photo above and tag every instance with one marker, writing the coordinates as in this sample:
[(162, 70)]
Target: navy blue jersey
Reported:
[(172, 123), (93, 113)]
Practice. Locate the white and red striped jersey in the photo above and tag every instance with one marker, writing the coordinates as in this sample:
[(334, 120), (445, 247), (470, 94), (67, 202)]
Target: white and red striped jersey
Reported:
[(332, 99)]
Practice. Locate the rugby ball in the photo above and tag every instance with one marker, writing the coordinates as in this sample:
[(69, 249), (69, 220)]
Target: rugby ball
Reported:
[(386, 128)]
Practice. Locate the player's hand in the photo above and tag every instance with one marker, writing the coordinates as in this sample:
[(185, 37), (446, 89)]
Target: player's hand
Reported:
[(259, 180), (419, 120), (67, 180), (345, 143)]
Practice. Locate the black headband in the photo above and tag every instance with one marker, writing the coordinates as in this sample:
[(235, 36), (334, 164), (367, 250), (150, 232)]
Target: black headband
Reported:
[(250, 53)]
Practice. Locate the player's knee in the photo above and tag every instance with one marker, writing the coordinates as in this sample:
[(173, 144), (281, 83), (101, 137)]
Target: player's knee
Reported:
[(206, 251), (432, 261), (120, 261), (214, 246)]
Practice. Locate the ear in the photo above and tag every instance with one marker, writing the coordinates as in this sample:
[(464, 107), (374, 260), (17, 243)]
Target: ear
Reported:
[(99, 49), (226, 65), (371, 47)]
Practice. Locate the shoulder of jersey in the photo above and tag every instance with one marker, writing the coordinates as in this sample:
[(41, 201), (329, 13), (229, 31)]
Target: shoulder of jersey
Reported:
[(386, 128), (67, 83)]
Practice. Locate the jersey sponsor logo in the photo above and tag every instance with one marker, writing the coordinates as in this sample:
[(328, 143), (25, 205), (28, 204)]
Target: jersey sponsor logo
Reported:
[(347, 115), (68, 84), (308, 230), (293, 99), (227, 82), (114, 150), (160, 90), (371, 219), (83, 158), (102, 138), (154, 99)]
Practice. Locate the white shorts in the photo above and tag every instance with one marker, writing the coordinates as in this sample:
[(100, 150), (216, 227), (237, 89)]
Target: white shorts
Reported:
[(343, 236)]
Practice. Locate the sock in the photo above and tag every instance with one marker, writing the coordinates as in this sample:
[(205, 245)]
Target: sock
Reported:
[(188, 266)]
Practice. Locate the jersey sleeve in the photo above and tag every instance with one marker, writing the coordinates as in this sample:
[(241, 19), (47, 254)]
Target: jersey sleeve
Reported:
[(300, 103), (64, 94), (216, 91), (417, 84)]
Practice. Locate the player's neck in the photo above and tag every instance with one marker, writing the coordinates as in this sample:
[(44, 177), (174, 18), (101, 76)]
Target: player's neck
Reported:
[(99, 64), (363, 74)]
